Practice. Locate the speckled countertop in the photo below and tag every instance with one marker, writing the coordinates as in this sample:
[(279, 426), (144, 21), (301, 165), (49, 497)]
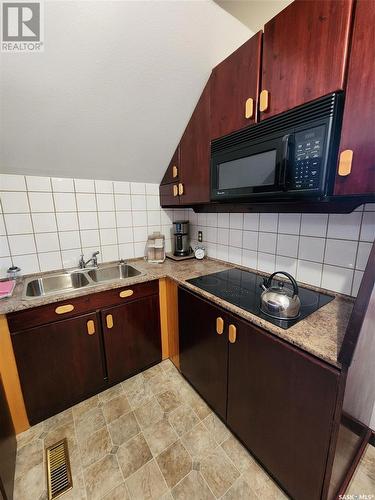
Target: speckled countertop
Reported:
[(320, 334)]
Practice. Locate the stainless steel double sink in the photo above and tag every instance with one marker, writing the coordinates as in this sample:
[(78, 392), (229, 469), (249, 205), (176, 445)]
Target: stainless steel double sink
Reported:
[(82, 278)]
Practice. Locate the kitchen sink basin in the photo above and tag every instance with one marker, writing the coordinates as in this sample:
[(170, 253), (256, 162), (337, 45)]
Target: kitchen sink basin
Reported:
[(57, 283), (120, 271), (69, 281)]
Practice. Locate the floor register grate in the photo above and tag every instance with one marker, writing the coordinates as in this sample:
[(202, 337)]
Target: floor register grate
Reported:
[(59, 476)]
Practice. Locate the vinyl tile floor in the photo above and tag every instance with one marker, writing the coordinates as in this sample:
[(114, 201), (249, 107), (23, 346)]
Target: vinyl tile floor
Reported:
[(150, 437)]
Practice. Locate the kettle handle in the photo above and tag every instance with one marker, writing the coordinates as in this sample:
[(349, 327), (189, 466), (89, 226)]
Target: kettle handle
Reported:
[(292, 280)]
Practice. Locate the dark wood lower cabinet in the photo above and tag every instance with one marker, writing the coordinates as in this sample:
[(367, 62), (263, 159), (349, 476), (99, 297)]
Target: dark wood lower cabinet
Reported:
[(132, 338), (279, 401), (281, 404), (203, 352), (62, 361), (59, 364)]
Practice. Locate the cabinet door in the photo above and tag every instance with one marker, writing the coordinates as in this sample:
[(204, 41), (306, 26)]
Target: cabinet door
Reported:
[(304, 53), (195, 154), (281, 404), (59, 364), (358, 132), (169, 195), (233, 83), (132, 338), (203, 352), (173, 170)]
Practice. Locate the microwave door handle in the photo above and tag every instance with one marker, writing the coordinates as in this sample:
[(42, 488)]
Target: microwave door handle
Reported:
[(286, 144)]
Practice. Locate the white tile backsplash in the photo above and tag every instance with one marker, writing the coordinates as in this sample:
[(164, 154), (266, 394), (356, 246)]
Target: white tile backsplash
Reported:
[(18, 223), (312, 247), (65, 202), (49, 222), (41, 202), (9, 182), (35, 183), (344, 226), (62, 185), (14, 202), (44, 222), (341, 253)]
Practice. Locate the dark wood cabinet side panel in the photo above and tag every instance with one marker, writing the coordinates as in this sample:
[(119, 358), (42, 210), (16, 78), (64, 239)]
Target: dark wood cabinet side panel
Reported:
[(233, 81), (203, 352), (281, 405), (358, 130), (59, 364), (195, 153), (134, 341), (304, 52)]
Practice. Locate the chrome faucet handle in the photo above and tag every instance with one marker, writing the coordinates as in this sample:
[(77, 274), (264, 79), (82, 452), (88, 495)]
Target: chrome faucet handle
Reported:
[(95, 258), (81, 261)]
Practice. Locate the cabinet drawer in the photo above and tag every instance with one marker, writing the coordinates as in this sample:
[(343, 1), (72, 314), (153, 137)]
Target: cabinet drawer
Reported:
[(69, 308)]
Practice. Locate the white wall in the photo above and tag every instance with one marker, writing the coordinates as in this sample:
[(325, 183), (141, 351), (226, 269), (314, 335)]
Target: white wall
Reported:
[(359, 399), (253, 13), (112, 93)]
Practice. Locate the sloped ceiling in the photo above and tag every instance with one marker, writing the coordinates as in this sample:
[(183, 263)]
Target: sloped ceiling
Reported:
[(114, 88), (254, 13)]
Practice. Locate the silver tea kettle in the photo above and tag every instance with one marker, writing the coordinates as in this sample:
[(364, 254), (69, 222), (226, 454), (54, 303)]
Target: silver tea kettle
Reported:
[(277, 301)]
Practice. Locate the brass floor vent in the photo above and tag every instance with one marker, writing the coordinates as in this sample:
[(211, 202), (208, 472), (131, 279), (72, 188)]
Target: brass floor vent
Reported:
[(59, 476)]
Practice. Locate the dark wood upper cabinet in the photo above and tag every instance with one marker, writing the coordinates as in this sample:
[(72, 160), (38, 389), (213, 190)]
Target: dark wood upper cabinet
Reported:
[(358, 132), (169, 195), (132, 338), (304, 53), (59, 364), (194, 186), (173, 170), (235, 89), (203, 352), (281, 404)]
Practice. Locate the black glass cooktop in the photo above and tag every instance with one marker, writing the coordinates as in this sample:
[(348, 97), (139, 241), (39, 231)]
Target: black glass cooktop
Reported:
[(242, 288)]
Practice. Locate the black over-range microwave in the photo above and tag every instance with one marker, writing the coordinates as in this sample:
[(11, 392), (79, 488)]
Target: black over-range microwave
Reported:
[(292, 155)]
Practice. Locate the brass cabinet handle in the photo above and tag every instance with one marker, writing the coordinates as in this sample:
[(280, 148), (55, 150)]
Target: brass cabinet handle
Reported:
[(109, 321), (64, 309), (345, 162), (219, 325), (175, 190), (232, 334), (263, 100), (126, 293), (90, 327), (249, 107), (180, 189), (174, 171)]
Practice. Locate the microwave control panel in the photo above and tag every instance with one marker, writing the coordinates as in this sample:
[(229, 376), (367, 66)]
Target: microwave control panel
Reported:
[(307, 161)]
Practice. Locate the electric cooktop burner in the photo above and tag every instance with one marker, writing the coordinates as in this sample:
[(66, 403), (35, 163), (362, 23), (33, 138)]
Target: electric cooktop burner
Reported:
[(242, 288)]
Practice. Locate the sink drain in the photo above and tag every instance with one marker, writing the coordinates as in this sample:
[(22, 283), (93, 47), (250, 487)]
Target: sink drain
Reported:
[(59, 476)]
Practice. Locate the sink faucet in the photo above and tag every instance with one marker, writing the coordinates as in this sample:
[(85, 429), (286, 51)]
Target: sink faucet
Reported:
[(94, 259)]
